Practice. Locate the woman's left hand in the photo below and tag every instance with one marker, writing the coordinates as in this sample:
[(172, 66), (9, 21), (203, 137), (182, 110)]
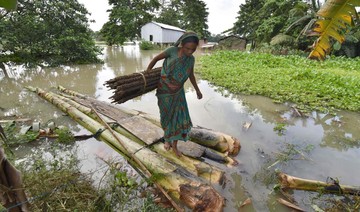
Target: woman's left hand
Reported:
[(199, 94)]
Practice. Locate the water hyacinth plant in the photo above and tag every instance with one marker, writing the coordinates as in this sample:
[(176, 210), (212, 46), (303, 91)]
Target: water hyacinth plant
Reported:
[(312, 85)]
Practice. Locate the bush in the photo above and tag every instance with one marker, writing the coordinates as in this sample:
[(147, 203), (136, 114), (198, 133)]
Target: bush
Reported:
[(146, 45)]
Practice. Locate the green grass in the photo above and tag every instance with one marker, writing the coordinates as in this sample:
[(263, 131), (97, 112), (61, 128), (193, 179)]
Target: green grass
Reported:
[(312, 85)]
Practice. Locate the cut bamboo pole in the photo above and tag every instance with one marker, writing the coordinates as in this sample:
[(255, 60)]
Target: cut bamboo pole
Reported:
[(130, 86), (291, 182), (214, 174), (117, 113), (216, 140), (142, 166), (173, 178)]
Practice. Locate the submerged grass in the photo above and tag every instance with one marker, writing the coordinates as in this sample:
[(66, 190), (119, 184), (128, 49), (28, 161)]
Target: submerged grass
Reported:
[(312, 85), (54, 183)]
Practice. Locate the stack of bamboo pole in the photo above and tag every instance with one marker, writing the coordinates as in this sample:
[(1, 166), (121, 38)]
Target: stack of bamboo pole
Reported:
[(182, 178), (133, 85)]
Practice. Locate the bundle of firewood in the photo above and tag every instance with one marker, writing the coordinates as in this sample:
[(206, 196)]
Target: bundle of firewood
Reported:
[(133, 85)]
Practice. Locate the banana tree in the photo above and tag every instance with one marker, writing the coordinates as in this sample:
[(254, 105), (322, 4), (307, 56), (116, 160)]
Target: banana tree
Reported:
[(336, 17)]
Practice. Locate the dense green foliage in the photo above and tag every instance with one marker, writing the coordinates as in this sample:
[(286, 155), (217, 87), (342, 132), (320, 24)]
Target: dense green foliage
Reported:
[(329, 85), (284, 23), (190, 15), (194, 17), (47, 33), (126, 18), (287, 24), (170, 13), (261, 20)]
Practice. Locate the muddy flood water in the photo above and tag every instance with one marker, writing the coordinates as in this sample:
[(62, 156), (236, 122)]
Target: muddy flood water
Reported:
[(325, 145)]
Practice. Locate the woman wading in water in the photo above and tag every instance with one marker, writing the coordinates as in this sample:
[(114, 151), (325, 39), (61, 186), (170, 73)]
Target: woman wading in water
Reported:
[(178, 66)]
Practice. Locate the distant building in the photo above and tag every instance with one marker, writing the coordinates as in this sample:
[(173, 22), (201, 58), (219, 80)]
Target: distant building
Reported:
[(232, 42), (160, 33)]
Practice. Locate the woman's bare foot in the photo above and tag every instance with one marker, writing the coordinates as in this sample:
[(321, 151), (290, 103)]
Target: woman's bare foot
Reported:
[(176, 151), (167, 145)]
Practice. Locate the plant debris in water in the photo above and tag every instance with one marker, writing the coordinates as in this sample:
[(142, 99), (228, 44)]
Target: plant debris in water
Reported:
[(14, 138), (280, 128), (55, 184), (65, 136), (267, 174), (324, 86)]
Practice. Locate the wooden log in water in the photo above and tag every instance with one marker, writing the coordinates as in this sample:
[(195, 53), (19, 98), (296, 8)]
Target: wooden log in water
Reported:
[(291, 182), (173, 178), (217, 140)]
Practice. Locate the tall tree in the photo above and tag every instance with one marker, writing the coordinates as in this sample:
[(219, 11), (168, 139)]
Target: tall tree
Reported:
[(126, 18), (170, 13), (248, 19), (194, 16), (275, 14), (261, 20), (187, 14), (47, 32)]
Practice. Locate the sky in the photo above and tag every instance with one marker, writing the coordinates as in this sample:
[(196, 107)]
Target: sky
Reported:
[(222, 13)]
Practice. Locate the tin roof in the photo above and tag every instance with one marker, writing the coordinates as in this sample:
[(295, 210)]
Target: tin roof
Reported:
[(165, 26)]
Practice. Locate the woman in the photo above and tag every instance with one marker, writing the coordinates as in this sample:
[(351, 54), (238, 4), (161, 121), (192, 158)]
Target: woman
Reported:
[(178, 66)]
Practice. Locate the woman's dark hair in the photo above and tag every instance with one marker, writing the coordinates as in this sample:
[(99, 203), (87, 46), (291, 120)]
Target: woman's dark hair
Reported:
[(190, 39)]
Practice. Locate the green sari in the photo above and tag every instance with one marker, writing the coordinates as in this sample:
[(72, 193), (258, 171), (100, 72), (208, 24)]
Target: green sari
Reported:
[(174, 113)]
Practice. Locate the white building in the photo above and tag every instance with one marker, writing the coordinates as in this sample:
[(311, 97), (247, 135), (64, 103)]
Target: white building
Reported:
[(160, 33)]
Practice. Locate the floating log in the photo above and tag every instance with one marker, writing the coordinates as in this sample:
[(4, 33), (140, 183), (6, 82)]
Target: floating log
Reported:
[(217, 140), (3, 121), (172, 177), (291, 182)]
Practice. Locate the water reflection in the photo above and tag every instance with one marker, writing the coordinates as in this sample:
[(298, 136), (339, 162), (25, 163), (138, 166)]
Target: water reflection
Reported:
[(128, 59), (335, 138)]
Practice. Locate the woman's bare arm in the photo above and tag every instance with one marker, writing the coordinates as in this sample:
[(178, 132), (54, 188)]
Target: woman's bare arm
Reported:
[(155, 59), (193, 82)]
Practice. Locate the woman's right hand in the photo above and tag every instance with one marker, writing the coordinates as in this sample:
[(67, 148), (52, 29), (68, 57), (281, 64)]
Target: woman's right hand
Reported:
[(199, 94)]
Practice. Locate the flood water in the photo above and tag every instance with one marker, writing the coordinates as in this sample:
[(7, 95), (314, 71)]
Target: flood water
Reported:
[(333, 141)]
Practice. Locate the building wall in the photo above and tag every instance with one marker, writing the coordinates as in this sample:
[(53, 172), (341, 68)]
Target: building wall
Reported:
[(159, 35), (151, 29), (170, 36)]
